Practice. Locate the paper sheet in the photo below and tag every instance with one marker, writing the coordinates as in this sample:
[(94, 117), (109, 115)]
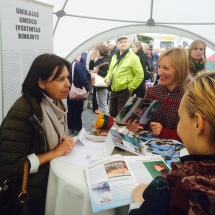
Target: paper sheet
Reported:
[(84, 152)]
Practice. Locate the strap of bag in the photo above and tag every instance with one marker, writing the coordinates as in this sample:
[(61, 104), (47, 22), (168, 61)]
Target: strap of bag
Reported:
[(73, 66), (24, 183), (25, 178), (102, 64)]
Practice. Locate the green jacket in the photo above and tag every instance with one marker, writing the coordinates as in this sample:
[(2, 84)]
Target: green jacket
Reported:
[(127, 74), (21, 134)]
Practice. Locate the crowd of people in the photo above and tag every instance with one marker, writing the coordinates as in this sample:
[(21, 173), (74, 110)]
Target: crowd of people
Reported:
[(34, 128)]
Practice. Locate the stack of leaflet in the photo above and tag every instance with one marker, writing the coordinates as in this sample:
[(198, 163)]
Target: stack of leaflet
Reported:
[(146, 143)]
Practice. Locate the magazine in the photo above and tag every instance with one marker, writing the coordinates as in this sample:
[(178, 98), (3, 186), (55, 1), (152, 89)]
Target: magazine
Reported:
[(111, 180), (142, 143), (137, 108)]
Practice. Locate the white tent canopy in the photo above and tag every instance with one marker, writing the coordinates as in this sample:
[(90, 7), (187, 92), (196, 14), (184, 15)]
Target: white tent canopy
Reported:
[(80, 24)]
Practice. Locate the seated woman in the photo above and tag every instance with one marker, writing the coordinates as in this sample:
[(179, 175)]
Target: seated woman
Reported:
[(189, 187), (173, 71), (197, 59)]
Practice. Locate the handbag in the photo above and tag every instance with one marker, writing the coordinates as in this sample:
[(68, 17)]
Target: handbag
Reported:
[(97, 80), (75, 93), (15, 205)]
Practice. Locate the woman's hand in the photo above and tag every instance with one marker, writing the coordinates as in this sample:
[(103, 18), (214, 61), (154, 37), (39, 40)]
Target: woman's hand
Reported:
[(93, 56), (133, 126), (137, 193), (156, 127), (66, 145), (95, 70)]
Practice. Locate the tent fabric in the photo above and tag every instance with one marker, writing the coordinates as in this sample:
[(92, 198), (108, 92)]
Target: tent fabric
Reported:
[(86, 23), (211, 58)]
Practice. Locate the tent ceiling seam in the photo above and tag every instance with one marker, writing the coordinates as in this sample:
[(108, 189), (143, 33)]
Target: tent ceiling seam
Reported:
[(141, 22), (60, 16)]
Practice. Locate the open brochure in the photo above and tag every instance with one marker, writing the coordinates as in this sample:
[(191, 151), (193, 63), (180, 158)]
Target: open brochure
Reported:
[(111, 180), (137, 108), (142, 143)]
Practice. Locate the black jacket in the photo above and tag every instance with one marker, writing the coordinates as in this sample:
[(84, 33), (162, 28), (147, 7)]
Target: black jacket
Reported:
[(103, 70), (113, 52), (21, 134)]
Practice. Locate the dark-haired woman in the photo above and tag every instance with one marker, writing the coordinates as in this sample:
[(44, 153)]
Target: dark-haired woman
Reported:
[(34, 127), (100, 67), (137, 48)]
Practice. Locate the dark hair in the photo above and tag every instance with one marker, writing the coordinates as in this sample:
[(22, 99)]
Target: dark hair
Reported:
[(103, 50), (42, 67)]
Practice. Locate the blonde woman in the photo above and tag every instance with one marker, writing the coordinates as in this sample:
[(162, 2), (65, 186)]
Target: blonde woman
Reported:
[(173, 72), (197, 58), (189, 186)]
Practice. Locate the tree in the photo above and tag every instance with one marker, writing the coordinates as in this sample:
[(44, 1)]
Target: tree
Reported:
[(144, 39)]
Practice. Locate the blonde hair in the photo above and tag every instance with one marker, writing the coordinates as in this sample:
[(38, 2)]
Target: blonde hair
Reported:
[(178, 59), (199, 98), (191, 47)]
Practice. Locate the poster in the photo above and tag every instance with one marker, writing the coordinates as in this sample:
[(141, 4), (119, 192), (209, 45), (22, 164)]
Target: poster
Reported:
[(26, 32)]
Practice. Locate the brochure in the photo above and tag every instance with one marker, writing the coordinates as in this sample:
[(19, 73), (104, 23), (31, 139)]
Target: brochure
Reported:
[(137, 108), (111, 180), (142, 143)]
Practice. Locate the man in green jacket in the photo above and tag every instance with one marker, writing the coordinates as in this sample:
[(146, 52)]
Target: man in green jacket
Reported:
[(125, 74)]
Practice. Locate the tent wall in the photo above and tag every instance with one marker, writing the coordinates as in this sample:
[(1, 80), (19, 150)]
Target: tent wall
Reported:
[(107, 35), (86, 23)]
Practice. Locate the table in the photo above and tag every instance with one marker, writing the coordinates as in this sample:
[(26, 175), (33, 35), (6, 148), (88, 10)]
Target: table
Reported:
[(67, 192)]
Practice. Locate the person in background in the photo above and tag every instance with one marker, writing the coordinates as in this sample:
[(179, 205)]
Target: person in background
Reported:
[(186, 49), (90, 97), (189, 186), (173, 72), (34, 129), (155, 59), (157, 77), (138, 50), (197, 58), (83, 61), (149, 56), (100, 67), (112, 47), (75, 108), (125, 73)]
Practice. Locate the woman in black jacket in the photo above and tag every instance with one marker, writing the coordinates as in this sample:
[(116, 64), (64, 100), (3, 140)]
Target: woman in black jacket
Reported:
[(34, 130), (100, 67), (137, 48)]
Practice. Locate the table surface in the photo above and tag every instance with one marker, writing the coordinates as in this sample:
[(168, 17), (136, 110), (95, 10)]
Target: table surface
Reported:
[(68, 193)]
